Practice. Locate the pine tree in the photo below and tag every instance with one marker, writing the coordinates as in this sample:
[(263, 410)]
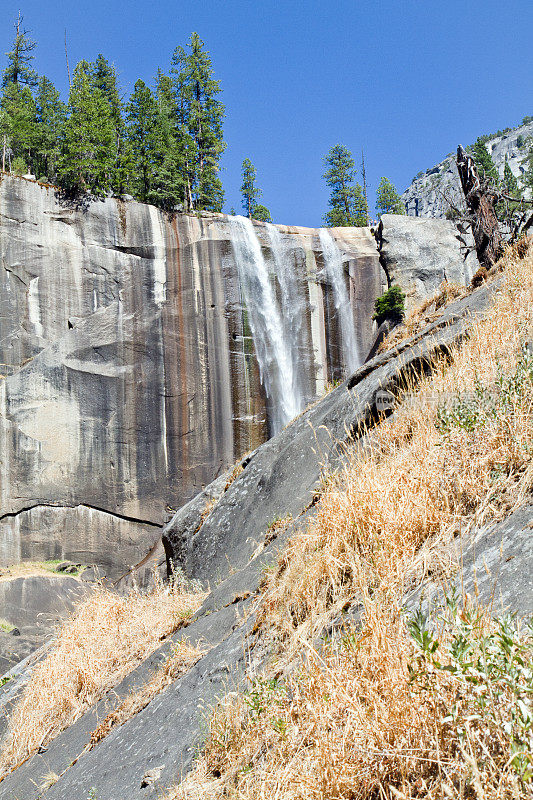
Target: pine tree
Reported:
[(262, 214), (388, 201), (199, 114), (104, 77), (510, 182), (169, 180), (347, 201), (142, 114), (19, 122), (18, 70), (88, 156), (51, 118), (484, 163), (250, 190)]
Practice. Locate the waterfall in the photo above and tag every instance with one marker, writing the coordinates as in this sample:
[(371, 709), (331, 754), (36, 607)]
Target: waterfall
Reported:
[(293, 307), (334, 273), (272, 346)]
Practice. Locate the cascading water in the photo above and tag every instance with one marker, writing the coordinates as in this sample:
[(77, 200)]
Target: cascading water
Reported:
[(266, 322), (293, 307), (334, 272)]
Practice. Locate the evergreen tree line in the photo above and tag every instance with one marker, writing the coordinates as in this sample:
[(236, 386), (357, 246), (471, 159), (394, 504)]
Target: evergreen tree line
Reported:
[(162, 146)]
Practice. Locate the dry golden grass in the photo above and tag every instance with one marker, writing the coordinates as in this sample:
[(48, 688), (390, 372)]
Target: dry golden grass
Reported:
[(423, 314), (349, 724), (103, 641)]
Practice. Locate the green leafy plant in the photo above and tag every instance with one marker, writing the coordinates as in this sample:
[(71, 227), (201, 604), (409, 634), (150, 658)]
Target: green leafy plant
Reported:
[(390, 305), (19, 166), (262, 695), (486, 405), (491, 665)]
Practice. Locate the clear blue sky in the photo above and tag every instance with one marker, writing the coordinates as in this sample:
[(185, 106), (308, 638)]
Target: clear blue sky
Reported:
[(405, 79)]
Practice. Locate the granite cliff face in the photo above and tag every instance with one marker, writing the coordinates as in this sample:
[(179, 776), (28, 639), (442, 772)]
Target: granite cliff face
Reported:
[(141, 356), (426, 196)]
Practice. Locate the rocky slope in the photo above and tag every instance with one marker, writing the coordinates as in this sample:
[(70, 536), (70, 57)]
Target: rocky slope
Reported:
[(231, 549), (427, 195)]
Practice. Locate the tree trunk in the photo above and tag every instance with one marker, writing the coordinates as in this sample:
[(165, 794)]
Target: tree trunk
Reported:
[(480, 201)]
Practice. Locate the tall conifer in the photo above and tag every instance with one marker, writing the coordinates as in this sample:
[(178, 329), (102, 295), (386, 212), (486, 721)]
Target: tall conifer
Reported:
[(388, 201), (249, 188), (51, 117), (347, 201), (199, 115), (19, 122), (484, 163), (89, 146), (20, 57)]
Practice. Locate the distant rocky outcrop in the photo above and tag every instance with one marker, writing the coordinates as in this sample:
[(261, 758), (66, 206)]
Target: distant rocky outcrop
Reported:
[(430, 191)]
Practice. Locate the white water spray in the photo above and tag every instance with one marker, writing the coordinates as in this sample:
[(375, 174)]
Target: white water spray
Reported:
[(266, 323), (335, 274), (293, 302)]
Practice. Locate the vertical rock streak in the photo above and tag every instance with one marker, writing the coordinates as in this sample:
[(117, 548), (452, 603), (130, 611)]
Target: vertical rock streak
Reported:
[(267, 325), (34, 311), (334, 273)]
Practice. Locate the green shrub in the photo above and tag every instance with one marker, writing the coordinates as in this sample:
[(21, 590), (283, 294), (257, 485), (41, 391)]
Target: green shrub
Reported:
[(487, 405), (390, 305), (491, 667), (18, 166)]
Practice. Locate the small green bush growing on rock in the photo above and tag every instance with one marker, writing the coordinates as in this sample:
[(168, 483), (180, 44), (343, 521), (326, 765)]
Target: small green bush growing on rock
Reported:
[(390, 305)]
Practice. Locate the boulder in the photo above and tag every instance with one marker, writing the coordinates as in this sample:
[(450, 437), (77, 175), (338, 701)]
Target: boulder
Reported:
[(421, 254)]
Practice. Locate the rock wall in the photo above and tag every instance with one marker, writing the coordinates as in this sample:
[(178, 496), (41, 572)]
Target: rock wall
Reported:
[(129, 370), (428, 193)]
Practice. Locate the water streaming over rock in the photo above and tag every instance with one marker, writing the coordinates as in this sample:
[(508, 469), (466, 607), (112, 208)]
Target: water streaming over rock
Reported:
[(267, 325), (334, 273), (294, 302)]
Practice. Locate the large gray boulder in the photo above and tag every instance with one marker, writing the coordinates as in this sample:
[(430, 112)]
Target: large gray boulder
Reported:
[(421, 254)]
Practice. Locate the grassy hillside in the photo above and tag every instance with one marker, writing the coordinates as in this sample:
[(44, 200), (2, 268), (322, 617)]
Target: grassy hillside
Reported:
[(394, 707)]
